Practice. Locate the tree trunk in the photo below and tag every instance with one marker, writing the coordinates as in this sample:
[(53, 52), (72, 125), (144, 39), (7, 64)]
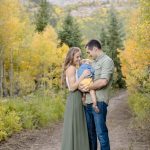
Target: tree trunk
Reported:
[(1, 72), (51, 78), (5, 87), (1, 77), (11, 73), (44, 79)]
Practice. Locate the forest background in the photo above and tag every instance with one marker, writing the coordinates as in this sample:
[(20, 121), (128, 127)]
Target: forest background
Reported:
[(35, 36)]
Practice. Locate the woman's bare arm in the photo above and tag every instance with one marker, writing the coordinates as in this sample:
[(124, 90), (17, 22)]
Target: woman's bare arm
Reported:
[(71, 74)]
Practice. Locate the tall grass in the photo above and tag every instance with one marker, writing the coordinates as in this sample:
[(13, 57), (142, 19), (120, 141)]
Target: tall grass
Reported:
[(35, 112), (140, 105)]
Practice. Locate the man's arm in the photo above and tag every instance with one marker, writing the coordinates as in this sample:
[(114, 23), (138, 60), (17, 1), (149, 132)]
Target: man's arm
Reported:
[(98, 84)]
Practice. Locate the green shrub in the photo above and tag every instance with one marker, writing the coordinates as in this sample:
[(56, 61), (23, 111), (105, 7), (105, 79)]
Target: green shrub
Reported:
[(38, 111), (35, 112), (12, 123), (9, 122), (3, 133), (46, 111), (140, 105)]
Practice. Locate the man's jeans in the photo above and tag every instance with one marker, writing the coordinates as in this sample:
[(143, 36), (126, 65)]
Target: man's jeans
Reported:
[(96, 124)]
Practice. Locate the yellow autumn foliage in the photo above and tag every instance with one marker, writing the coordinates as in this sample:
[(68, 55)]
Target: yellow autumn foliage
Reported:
[(135, 61), (30, 58)]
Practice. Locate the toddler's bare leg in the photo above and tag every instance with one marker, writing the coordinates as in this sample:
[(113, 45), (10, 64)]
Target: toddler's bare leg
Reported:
[(84, 98), (93, 97)]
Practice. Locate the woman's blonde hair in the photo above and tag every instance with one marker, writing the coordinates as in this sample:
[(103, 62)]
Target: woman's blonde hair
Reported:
[(68, 61)]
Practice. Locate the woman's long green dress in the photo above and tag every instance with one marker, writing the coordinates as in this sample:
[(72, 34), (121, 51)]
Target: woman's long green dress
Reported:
[(75, 135)]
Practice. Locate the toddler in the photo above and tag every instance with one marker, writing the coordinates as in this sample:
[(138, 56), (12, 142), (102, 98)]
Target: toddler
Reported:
[(86, 65)]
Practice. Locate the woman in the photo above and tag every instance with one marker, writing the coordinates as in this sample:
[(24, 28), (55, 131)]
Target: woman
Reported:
[(75, 136)]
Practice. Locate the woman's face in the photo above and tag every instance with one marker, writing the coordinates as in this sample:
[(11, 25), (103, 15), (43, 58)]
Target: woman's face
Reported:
[(77, 58)]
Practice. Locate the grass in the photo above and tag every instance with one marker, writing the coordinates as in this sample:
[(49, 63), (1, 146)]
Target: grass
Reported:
[(34, 112), (140, 105)]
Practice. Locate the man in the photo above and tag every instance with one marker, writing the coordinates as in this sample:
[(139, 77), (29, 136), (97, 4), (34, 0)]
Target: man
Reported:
[(96, 121)]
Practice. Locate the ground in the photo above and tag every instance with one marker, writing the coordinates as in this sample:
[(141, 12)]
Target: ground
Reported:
[(122, 131)]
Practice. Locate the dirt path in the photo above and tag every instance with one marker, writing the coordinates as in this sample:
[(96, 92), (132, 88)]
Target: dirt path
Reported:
[(123, 135), (119, 120)]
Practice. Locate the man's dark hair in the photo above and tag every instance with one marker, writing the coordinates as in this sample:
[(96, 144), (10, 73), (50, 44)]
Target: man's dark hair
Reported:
[(93, 43)]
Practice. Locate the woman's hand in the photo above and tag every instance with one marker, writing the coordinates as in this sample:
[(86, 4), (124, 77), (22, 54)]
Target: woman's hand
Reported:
[(85, 73)]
